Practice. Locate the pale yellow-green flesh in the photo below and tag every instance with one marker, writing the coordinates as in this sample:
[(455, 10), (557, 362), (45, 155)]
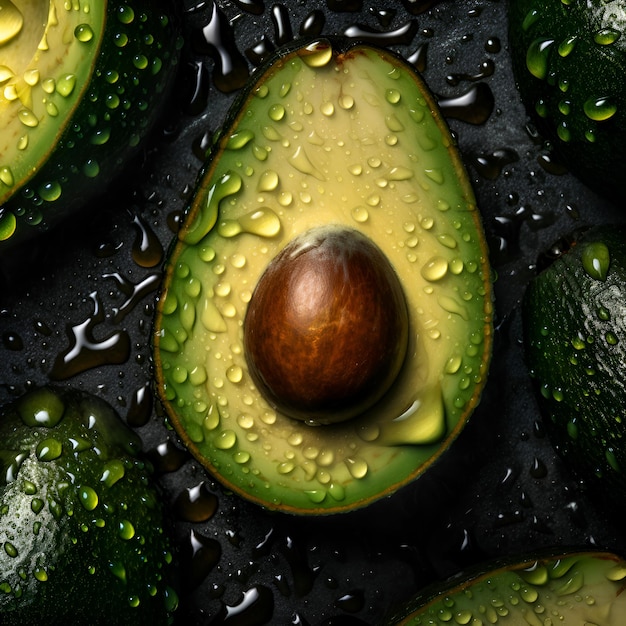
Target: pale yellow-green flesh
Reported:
[(577, 589), (48, 50), (350, 142)]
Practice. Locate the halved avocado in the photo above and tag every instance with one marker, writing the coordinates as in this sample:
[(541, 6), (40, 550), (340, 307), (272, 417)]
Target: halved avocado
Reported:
[(81, 84), (334, 177), (569, 588)]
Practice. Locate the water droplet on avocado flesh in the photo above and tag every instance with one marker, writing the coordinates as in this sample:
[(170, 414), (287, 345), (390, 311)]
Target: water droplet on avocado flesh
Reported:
[(570, 588), (383, 167), (326, 329), (75, 497), (61, 111)]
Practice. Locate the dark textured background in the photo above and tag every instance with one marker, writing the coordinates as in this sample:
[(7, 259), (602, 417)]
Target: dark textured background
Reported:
[(76, 307)]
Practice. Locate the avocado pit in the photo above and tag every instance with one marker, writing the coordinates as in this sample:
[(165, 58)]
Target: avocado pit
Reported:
[(326, 329)]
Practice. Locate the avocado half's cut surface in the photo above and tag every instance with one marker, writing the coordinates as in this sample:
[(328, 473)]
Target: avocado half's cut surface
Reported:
[(350, 140), (81, 523), (571, 588), (575, 341), (81, 84)]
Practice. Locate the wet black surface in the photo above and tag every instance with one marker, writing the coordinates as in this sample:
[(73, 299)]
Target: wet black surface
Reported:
[(76, 307)]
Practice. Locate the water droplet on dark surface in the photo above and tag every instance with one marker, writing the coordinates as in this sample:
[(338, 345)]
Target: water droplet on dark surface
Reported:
[(85, 351), (282, 25), (255, 7), (200, 554), (217, 40), (196, 504), (419, 58), (141, 405), (147, 249), (12, 341), (490, 166), (402, 35), (352, 602), (167, 457), (474, 106), (134, 292), (255, 608), (538, 469), (196, 77), (313, 24)]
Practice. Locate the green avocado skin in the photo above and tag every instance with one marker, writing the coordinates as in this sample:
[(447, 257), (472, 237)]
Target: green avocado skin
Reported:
[(569, 61), (573, 587), (574, 324), (133, 75), (82, 537)]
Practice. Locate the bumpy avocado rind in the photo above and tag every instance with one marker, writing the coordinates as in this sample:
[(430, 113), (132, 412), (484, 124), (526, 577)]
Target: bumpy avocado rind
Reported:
[(569, 60), (329, 133), (569, 588), (82, 526), (81, 85), (575, 342)]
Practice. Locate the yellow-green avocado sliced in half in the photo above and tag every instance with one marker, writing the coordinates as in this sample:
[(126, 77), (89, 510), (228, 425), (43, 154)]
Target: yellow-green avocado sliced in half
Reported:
[(569, 588), (81, 83), (345, 137)]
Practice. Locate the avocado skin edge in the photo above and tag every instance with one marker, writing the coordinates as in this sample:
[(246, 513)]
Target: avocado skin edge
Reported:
[(101, 453), (496, 581), (591, 72), (575, 346), (149, 97), (343, 47)]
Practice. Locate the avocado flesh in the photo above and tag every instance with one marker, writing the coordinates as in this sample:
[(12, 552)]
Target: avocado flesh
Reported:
[(326, 136), (573, 588), (80, 85), (38, 93), (81, 525), (575, 341)]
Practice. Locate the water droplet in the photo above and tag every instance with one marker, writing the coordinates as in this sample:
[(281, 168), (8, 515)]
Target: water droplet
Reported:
[(196, 504), (126, 530), (113, 472), (435, 269), (268, 181), (65, 85), (84, 33), (205, 218), (358, 468), (88, 498), (360, 214), (317, 54), (600, 109), (537, 57), (596, 258), (606, 36), (49, 449), (239, 139)]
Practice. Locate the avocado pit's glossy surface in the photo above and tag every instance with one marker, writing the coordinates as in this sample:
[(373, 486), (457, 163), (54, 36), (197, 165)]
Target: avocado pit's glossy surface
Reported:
[(326, 329)]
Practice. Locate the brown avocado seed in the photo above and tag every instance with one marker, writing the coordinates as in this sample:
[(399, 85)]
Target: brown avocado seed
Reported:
[(326, 330)]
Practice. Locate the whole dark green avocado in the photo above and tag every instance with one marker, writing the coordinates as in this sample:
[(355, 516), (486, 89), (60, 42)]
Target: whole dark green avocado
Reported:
[(569, 60), (82, 537), (575, 347), (81, 85)]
